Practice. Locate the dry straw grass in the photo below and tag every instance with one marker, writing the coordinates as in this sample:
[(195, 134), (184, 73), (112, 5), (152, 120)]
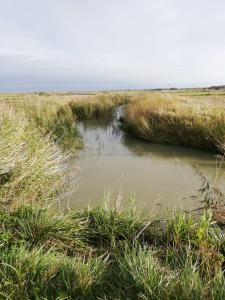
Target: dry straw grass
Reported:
[(169, 119), (29, 161)]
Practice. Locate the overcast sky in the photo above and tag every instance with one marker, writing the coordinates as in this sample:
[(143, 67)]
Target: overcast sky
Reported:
[(111, 44)]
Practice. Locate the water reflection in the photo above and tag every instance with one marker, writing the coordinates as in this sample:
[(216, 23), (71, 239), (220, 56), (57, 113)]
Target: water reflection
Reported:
[(159, 176)]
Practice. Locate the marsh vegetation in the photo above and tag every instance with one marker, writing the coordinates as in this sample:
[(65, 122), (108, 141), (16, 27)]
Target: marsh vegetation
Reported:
[(103, 252), (170, 119)]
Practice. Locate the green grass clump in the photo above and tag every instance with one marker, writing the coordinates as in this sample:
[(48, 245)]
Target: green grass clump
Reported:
[(104, 253), (159, 118), (44, 256), (107, 226), (38, 227), (37, 274)]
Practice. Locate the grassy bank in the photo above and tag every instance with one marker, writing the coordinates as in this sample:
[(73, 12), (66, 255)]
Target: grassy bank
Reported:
[(170, 119), (36, 133), (30, 162), (106, 254), (56, 115)]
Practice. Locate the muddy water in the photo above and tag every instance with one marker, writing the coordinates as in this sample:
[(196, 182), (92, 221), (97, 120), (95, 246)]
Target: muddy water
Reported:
[(118, 168)]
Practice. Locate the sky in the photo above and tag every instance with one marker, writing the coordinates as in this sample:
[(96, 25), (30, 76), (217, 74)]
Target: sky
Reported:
[(111, 44)]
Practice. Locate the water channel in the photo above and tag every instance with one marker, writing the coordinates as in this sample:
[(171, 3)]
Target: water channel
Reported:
[(118, 168)]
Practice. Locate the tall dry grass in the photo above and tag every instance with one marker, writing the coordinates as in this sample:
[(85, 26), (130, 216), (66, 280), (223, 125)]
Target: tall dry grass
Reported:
[(30, 162), (97, 106), (161, 118), (57, 114)]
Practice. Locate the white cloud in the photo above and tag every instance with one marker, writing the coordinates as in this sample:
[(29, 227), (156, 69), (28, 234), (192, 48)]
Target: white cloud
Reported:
[(73, 44)]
